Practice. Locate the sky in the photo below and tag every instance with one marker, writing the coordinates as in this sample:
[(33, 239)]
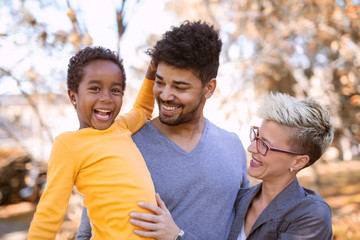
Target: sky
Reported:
[(143, 18), (98, 17)]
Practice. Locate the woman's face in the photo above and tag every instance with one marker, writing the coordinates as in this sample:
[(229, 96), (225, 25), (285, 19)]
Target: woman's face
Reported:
[(274, 166)]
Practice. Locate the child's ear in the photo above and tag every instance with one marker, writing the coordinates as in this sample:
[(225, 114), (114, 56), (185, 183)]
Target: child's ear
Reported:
[(72, 97)]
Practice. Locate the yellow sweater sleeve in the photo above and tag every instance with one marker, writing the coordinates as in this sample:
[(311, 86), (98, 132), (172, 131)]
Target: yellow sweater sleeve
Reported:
[(53, 202), (142, 109)]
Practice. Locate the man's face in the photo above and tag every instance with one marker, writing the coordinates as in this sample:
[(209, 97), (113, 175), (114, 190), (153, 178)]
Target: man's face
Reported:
[(179, 95)]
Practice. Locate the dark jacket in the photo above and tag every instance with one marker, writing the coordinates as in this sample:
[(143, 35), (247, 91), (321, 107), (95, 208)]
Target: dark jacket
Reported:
[(295, 213)]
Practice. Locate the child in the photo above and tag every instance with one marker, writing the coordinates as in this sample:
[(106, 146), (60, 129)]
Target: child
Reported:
[(100, 159)]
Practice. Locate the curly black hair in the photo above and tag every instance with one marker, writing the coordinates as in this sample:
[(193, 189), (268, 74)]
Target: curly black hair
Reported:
[(193, 45), (78, 62)]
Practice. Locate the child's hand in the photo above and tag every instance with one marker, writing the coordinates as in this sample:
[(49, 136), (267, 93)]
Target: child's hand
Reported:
[(150, 73)]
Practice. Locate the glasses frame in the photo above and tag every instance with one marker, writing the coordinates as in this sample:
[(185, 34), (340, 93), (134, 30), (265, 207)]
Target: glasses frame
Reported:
[(256, 134)]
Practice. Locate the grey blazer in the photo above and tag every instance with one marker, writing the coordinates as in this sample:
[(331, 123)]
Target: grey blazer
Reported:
[(295, 213)]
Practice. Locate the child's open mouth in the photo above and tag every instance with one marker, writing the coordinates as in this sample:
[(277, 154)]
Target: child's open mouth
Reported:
[(102, 115)]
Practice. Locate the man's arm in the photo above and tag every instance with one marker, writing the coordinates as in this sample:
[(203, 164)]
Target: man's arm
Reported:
[(85, 227)]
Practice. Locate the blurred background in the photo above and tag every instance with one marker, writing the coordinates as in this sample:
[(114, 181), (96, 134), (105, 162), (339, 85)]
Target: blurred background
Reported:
[(307, 48)]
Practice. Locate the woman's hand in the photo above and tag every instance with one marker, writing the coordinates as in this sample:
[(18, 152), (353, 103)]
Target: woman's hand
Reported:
[(160, 225)]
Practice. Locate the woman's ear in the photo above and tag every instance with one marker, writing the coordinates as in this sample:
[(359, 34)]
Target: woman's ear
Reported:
[(210, 88), (300, 162)]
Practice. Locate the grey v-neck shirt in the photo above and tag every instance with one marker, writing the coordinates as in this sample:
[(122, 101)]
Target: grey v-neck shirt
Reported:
[(199, 187)]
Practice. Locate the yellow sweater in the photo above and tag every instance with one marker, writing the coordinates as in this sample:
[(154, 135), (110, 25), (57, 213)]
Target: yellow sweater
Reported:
[(107, 168)]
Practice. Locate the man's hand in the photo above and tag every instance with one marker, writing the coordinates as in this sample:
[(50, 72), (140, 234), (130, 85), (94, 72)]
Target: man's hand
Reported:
[(160, 224)]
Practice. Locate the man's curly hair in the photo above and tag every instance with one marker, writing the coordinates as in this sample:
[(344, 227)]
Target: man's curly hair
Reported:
[(193, 45), (78, 62)]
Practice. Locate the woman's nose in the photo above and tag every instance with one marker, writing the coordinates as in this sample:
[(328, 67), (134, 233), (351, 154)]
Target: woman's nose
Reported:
[(252, 147)]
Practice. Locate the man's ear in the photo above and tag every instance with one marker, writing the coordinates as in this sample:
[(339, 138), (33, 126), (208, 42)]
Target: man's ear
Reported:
[(210, 88), (300, 162)]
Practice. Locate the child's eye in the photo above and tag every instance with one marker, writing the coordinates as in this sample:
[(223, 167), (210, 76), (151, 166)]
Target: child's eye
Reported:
[(94, 88), (116, 90)]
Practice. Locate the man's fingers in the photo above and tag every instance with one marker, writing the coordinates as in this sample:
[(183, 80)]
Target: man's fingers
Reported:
[(145, 233), (144, 216), (142, 224), (152, 207), (160, 202)]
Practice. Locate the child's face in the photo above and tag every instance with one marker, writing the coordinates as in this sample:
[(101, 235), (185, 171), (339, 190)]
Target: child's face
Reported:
[(99, 97)]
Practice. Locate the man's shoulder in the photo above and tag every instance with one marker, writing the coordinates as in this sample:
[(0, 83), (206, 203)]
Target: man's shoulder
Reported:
[(147, 128), (220, 132), (148, 131)]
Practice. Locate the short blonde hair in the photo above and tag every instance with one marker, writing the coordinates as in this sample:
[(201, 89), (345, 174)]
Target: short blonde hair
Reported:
[(311, 122)]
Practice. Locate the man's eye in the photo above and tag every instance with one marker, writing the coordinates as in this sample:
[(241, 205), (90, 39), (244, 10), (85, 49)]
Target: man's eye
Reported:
[(180, 88), (158, 82)]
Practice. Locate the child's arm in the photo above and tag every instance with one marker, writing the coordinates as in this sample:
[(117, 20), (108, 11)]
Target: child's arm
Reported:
[(53, 203), (144, 104)]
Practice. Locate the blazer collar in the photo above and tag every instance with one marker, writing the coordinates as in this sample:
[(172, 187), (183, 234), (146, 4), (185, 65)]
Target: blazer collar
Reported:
[(242, 204), (287, 197)]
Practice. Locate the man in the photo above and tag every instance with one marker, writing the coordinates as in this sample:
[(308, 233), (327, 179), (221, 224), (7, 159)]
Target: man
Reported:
[(197, 168)]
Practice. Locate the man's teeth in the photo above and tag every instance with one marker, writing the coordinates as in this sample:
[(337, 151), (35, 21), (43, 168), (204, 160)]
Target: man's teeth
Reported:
[(169, 108)]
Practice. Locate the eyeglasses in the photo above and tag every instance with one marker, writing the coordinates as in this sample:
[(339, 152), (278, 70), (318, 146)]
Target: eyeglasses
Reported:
[(261, 146)]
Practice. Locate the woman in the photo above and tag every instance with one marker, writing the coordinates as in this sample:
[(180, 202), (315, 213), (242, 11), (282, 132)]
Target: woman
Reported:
[(293, 135)]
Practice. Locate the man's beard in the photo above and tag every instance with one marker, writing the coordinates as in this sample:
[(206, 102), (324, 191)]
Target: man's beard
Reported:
[(183, 117)]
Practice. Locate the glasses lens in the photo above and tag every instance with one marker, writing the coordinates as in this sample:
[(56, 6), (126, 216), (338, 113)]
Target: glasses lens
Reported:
[(252, 134), (261, 146)]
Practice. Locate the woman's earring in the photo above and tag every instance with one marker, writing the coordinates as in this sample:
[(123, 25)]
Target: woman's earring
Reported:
[(74, 102), (291, 169)]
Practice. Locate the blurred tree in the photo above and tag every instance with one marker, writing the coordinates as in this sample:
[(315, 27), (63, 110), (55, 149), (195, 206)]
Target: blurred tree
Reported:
[(304, 48), (38, 49), (34, 50)]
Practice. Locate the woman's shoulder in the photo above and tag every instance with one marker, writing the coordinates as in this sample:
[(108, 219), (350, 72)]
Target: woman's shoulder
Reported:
[(313, 196), (311, 208), (314, 202)]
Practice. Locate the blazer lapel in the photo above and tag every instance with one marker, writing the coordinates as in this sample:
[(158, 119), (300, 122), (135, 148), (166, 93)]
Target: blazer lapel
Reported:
[(279, 204), (242, 204)]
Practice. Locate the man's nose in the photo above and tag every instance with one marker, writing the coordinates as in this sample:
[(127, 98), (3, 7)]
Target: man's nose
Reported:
[(167, 94)]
